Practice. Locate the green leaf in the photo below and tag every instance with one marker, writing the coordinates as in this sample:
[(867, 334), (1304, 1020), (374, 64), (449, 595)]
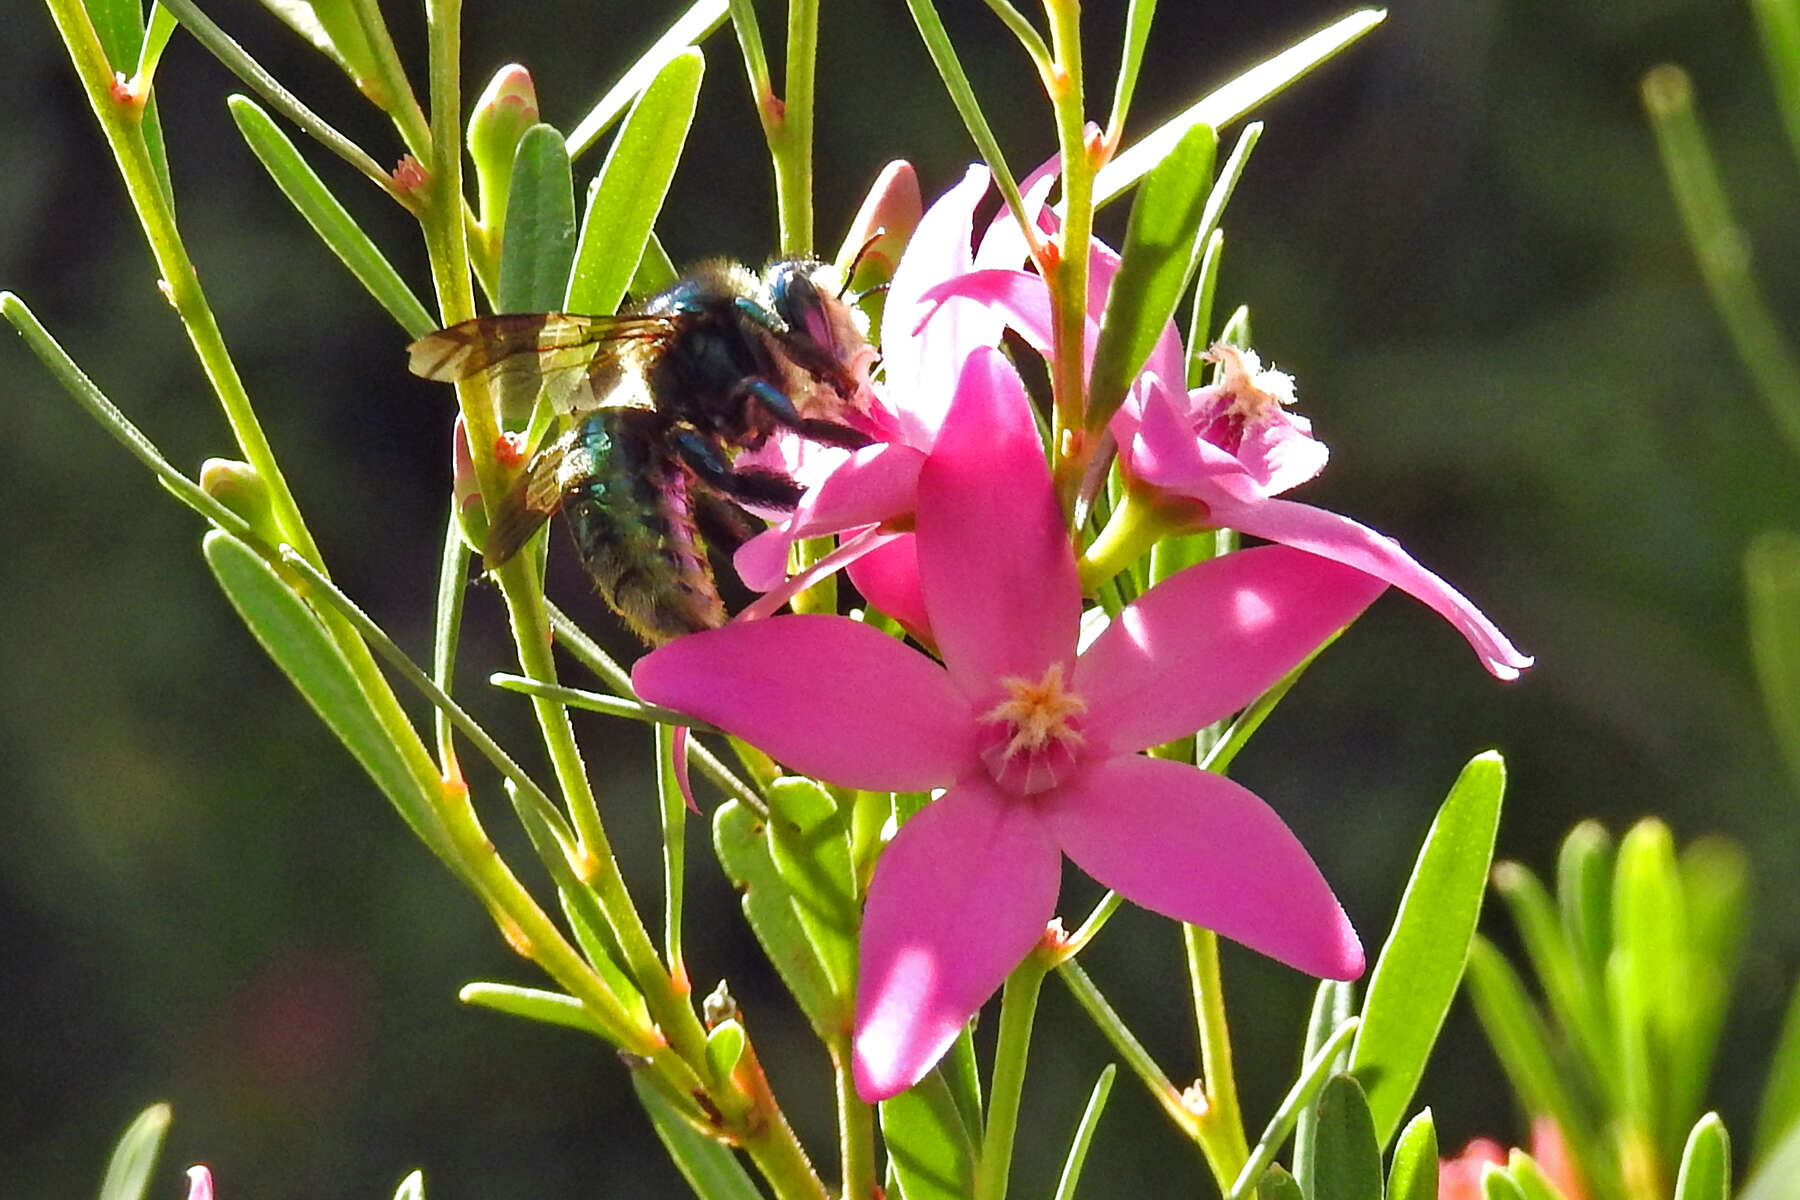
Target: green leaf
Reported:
[(1772, 594), (810, 846), (551, 1008), (1084, 1134), (1199, 339), (128, 1173), (1419, 968), (328, 218), (1279, 1185), (1705, 1162), (709, 1167), (698, 21), (1346, 1154), (1333, 1002), (1715, 878), (932, 1152), (1584, 889), (743, 851), (1532, 1182), (628, 193), (655, 270), (412, 1187), (674, 839), (1522, 1044), (1496, 1184), (1780, 1111), (119, 24), (1413, 1174), (1777, 1175), (537, 249), (1160, 254), (1649, 950), (1299, 1099), (294, 637), (1579, 1008), (724, 1048)]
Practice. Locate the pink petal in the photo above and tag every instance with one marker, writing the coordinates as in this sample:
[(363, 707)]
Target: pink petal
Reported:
[(1197, 847), (826, 695), (921, 364), (1163, 450), (762, 561), (1338, 537), (847, 552), (995, 562), (959, 898), (888, 578), (1018, 296), (875, 484), (200, 1183), (1208, 640)]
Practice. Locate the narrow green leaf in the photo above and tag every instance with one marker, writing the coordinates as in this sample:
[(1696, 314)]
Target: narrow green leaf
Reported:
[(743, 850), (1138, 17), (1530, 1178), (328, 218), (1416, 976), (537, 248), (294, 637), (655, 270), (1779, 1114), (1299, 1098), (1778, 28), (1084, 1134), (1346, 1155), (119, 24), (1200, 339), (963, 1074), (1584, 889), (1160, 254), (1496, 1184), (1706, 1163), (674, 838), (1333, 1002), (1772, 594), (551, 1008), (1777, 1174), (412, 1187), (1413, 1174), (709, 1167), (1522, 1044), (810, 846), (1579, 1009), (1279, 1185), (1649, 950), (693, 26), (1715, 881), (628, 192), (724, 1048), (1226, 104), (931, 1150), (128, 1172)]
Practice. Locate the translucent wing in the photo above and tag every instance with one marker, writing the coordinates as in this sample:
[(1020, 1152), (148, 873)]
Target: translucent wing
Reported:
[(534, 498), (576, 361)]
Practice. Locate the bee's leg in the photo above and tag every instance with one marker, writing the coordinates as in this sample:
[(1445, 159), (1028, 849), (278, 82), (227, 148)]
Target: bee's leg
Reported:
[(750, 485), (723, 524), (775, 402)]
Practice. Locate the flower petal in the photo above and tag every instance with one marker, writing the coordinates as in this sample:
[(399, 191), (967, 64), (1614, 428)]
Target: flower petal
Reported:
[(888, 578), (1200, 848), (921, 363), (1338, 537), (959, 898), (995, 562), (873, 485), (1162, 449), (1208, 640), (826, 695)]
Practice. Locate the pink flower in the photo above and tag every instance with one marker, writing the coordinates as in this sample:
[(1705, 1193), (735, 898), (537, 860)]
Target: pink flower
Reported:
[(1036, 746), (200, 1183), (1460, 1178)]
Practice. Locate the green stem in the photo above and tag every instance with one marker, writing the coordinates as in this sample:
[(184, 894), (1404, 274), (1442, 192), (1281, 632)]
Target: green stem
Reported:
[(1133, 528), (1068, 274), (1225, 1145), (1114, 1029), (1018, 1009), (793, 150), (856, 1128)]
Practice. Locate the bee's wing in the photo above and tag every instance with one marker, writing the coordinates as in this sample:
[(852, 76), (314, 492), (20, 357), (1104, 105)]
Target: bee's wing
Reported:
[(534, 498), (574, 360)]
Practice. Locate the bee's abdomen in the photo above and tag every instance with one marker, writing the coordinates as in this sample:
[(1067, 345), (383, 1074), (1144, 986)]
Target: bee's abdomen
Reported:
[(634, 528)]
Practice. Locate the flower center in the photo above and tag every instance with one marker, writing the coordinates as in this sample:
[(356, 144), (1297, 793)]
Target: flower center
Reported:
[(1032, 736), (1256, 394)]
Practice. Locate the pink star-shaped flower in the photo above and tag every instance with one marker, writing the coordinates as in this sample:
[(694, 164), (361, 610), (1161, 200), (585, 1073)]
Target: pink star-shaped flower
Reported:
[(1037, 747)]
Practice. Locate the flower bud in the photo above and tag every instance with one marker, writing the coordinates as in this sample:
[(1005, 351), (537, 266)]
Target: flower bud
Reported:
[(238, 487), (882, 227), (507, 108), (471, 514), (724, 1047)]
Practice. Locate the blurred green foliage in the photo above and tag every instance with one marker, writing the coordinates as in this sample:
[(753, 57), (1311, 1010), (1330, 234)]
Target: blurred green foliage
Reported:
[(1456, 237)]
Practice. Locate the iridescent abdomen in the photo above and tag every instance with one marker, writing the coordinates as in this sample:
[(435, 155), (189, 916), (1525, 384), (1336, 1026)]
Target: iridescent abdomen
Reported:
[(634, 526)]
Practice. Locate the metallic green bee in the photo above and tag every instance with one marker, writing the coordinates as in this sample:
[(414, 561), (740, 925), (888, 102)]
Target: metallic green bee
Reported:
[(659, 402)]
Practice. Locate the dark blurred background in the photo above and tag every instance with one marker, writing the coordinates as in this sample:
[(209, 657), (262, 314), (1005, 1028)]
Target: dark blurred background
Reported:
[(1456, 236)]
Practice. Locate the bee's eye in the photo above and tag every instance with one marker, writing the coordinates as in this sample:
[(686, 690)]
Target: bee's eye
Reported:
[(797, 302)]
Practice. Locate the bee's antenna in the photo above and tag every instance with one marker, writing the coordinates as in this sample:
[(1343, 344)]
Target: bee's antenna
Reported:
[(877, 290), (850, 272)]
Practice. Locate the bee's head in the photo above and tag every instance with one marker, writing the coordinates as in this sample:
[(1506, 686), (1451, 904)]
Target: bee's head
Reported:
[(804, 294)]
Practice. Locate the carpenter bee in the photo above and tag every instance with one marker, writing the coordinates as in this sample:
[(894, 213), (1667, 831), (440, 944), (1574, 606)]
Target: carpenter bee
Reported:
[(659, 401)]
